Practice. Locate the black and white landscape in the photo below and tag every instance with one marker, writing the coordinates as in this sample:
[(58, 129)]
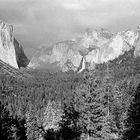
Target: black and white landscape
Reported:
[(69, 70)]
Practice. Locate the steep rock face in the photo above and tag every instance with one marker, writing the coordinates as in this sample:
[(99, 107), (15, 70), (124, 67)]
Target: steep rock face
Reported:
[(10, 50), (21, 58), (7, 49), (94, 47)]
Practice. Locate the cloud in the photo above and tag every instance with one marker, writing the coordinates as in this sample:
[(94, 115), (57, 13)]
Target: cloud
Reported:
[(78, 5), (47, 21)]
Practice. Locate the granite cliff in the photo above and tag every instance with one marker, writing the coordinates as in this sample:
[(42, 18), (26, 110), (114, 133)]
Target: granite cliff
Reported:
[(11, 52), (93, 47)]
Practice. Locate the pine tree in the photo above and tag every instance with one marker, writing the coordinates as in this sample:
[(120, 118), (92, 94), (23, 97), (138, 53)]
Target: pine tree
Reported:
[(69, 128), (52, 116), (5, 123), (133, 120), (109, 129), (91, 103), (122, 97), (32, 127), (10, 128)]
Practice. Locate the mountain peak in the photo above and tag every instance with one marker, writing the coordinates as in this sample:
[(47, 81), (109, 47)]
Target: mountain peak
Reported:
[(93, 47)]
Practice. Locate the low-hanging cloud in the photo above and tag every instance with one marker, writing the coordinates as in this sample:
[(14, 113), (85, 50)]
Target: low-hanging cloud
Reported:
[(47, 21)]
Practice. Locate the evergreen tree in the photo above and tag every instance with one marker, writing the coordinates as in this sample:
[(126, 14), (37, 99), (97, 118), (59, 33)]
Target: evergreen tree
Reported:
[(133, 120), (52, 115), (11, 128), (32, 127), (69, 129), (91, 102), (5, 123)]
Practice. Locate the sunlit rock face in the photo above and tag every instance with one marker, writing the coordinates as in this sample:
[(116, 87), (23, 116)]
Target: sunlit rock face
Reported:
[(94, 47), (10, 50), (7, 49), (117, 45)]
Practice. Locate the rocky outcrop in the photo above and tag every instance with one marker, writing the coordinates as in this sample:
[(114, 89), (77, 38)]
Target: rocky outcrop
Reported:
[(10, 50), (94, 47)]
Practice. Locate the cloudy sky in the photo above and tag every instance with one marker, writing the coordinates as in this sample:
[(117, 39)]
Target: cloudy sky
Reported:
[(40, 22)]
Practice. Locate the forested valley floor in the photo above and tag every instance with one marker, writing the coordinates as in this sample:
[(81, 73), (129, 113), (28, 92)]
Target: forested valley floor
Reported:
[(101, 104)]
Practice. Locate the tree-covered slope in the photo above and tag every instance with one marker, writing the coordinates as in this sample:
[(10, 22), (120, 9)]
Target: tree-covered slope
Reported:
[(95, 104)]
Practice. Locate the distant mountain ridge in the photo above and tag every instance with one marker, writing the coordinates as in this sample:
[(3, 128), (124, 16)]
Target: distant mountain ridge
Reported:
[(84, 52), (94, 47)]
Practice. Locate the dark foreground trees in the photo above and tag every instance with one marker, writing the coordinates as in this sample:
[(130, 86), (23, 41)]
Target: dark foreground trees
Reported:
[(133, 120), (11, 128)]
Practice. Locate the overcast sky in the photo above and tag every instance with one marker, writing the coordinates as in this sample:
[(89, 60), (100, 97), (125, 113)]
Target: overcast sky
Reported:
[(39, 22)]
